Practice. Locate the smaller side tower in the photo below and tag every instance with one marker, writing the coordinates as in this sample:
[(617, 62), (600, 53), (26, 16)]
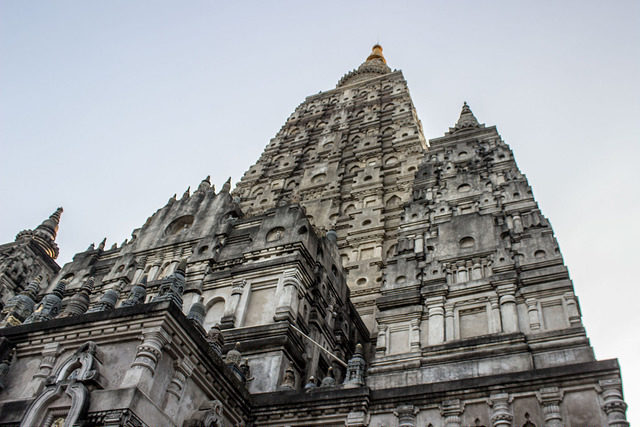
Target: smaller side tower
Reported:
[(32, 254)]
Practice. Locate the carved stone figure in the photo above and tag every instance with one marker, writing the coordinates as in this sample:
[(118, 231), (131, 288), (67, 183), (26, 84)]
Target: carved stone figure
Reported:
[(289, 379)]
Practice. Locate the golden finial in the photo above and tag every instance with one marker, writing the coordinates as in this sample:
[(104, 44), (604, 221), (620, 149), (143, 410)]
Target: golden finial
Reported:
[(376, 53)]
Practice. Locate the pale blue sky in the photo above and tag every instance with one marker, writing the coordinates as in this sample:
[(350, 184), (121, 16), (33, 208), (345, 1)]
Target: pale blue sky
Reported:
[(108, 108)]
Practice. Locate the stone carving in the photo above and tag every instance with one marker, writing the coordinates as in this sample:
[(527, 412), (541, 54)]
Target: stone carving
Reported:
[(197, 312), (289, 378), (406, 415), (107, 302), (614, 406), (311, 383), (20, 306), (550, 398), (5, 364), (329, 380), (500, 410), (79, 303), (73, 377), (171, 288), (233, 356), (137, 294), (215, 339), (355, 369), (245, 369), (209, 415), (451, 410), (49, 306)]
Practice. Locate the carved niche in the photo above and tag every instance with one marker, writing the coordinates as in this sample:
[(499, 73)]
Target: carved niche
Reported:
[(74, 378)]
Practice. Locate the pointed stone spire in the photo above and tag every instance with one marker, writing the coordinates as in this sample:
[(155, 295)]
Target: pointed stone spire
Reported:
[(172, 199), (45, 234), (79, 303), (466, 121), (186, 193), (227, 186), (205, 184), (197, 311), (102, 244)]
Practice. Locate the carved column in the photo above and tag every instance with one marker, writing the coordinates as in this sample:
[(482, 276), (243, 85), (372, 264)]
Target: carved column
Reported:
[(148, 354), (406, 415), (572, 309), (550, 398), (436, 319), (534, 315), (229, 317), (450, 335), (496, 324), (451, 410), (508, 308), (501, 415), (50, 353), (288, 302), (614, 406), (182, 372)]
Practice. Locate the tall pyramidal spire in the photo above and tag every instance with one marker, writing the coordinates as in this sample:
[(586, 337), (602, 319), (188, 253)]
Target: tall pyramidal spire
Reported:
[(348, 156), (45, 234)]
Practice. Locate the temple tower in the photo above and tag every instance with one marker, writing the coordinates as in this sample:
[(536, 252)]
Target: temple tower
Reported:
[(349, 156)]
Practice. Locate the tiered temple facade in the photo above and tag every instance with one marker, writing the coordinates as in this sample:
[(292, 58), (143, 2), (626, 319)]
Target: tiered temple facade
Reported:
[(357, 275)]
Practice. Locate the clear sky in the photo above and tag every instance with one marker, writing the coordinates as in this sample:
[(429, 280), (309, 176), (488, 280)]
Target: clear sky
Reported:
[(109, 108)]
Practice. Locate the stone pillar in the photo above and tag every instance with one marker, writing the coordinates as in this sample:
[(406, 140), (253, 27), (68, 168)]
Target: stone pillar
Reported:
[(550, 398), (50, 353), (534, 315), (436, 319), (182, 372), (414, 335), (228, 320), (288, 302), (572, 308), (143, 367), (495, 324), (451, 410), (406, 415), (508, 308), (153, 273), (613, 404), (449, 334), (381, 343), (501, 415)]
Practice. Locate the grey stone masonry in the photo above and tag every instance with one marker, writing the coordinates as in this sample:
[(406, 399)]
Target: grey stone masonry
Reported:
[(357, 276)]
